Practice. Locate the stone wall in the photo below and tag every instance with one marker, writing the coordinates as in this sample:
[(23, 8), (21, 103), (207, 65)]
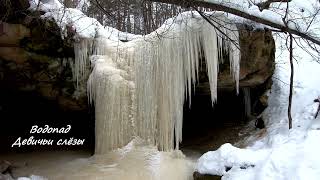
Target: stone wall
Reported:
[(33, 57), (256, 66)]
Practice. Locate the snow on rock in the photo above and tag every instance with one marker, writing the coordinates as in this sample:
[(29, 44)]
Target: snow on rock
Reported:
[(249, 8), (45, 5), (296, 158), (227, 156), (84, 26), (32, 177)]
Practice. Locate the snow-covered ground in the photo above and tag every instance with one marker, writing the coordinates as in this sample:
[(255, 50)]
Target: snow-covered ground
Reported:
[(279, 153)]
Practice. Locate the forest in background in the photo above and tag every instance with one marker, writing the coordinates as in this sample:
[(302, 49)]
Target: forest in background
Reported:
[(132, 16)]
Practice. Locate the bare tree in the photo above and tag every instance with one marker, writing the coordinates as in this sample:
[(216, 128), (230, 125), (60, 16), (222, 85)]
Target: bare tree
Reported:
[(318, 101), (133, 16)]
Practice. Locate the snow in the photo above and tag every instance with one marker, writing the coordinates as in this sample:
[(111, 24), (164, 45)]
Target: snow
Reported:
[(90, 27), (296, 157), (299, 17), (227, 156), (45, 5), (281, 154), (84, 26), (32, 177)]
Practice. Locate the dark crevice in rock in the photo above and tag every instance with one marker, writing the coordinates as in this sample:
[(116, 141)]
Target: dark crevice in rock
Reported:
[(13, 11), (199, 176), (45, 39)]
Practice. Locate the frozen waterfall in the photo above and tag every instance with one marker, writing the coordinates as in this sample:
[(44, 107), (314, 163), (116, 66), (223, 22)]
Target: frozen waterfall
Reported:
[(139, 88)]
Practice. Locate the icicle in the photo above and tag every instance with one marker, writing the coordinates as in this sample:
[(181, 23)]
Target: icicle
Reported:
[(211, 49), (234, 53), (82, 51)]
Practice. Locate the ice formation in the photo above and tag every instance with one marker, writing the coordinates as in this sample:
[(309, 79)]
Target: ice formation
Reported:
[(139, 88), (112, 93)]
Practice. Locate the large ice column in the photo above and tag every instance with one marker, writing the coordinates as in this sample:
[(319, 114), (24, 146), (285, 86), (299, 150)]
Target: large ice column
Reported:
[(112, 92)]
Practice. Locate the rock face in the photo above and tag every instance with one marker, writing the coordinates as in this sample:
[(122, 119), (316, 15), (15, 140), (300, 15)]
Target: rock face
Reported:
[(33, 57), (256, 66), (257, 57)]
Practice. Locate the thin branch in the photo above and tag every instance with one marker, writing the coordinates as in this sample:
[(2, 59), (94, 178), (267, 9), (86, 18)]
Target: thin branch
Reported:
[(217, 28), (266, 4), (318, 101)]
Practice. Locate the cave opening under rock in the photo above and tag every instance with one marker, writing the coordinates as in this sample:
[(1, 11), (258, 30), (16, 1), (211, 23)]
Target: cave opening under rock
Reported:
[(207, 127)]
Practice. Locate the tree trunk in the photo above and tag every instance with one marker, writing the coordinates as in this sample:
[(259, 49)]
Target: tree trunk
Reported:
[(291, 82)]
